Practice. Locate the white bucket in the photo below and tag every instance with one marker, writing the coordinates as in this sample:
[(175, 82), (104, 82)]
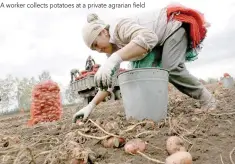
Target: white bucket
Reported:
[(228, 82), (145, 93)]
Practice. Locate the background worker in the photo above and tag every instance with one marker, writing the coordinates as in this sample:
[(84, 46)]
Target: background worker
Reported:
[(74, 73), (89, 63), (167, 37)]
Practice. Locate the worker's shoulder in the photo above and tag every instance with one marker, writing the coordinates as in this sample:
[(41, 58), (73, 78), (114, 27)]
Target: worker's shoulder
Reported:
[(116, 21), (113, 24)]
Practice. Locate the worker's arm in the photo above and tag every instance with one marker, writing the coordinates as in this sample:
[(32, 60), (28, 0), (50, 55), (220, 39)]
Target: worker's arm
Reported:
[(138, 39), (132, 51), (100, 96)]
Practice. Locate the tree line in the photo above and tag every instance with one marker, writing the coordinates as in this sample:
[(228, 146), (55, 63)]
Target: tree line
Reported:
[(16, 93)]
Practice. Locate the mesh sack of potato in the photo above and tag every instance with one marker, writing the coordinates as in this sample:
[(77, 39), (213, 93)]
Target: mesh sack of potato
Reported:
[(46, 103)]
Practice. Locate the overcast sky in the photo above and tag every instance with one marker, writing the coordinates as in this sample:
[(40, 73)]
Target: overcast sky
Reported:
[(33, 40)]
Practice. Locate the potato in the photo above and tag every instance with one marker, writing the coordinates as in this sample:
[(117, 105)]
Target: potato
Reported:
[(79, 122), (113, 142), (179, 158), (76, 161), (135, 145), (174, 144), (111, 125)]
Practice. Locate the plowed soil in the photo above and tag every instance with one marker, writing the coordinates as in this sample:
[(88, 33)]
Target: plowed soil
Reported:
[(208, 137)]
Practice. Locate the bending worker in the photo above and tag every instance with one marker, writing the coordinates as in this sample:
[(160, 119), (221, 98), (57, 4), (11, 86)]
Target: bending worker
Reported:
[(164, 38)]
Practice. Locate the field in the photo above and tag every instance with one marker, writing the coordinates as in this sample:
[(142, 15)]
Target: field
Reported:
[(208, 137)]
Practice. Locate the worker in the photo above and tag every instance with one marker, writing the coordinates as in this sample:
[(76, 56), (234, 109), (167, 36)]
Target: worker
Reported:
[(89, 63), (74, 74), (169, 37)]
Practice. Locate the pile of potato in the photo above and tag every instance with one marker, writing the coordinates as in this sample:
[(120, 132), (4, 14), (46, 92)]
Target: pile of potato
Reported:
[(85, 73), (46, 103)]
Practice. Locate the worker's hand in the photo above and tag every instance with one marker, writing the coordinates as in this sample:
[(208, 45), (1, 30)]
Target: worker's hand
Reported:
[(103, 77), (84, 112)]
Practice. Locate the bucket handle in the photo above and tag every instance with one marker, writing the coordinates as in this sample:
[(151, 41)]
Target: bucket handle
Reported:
[(144, 68)]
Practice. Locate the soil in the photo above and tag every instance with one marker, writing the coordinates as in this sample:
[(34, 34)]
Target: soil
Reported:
[(208, 137)]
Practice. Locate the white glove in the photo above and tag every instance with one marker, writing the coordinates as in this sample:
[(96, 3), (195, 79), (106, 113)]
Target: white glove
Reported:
[(103, 77), (84, 112)]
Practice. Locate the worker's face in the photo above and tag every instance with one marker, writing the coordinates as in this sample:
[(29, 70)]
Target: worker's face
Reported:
[(101, 43)]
